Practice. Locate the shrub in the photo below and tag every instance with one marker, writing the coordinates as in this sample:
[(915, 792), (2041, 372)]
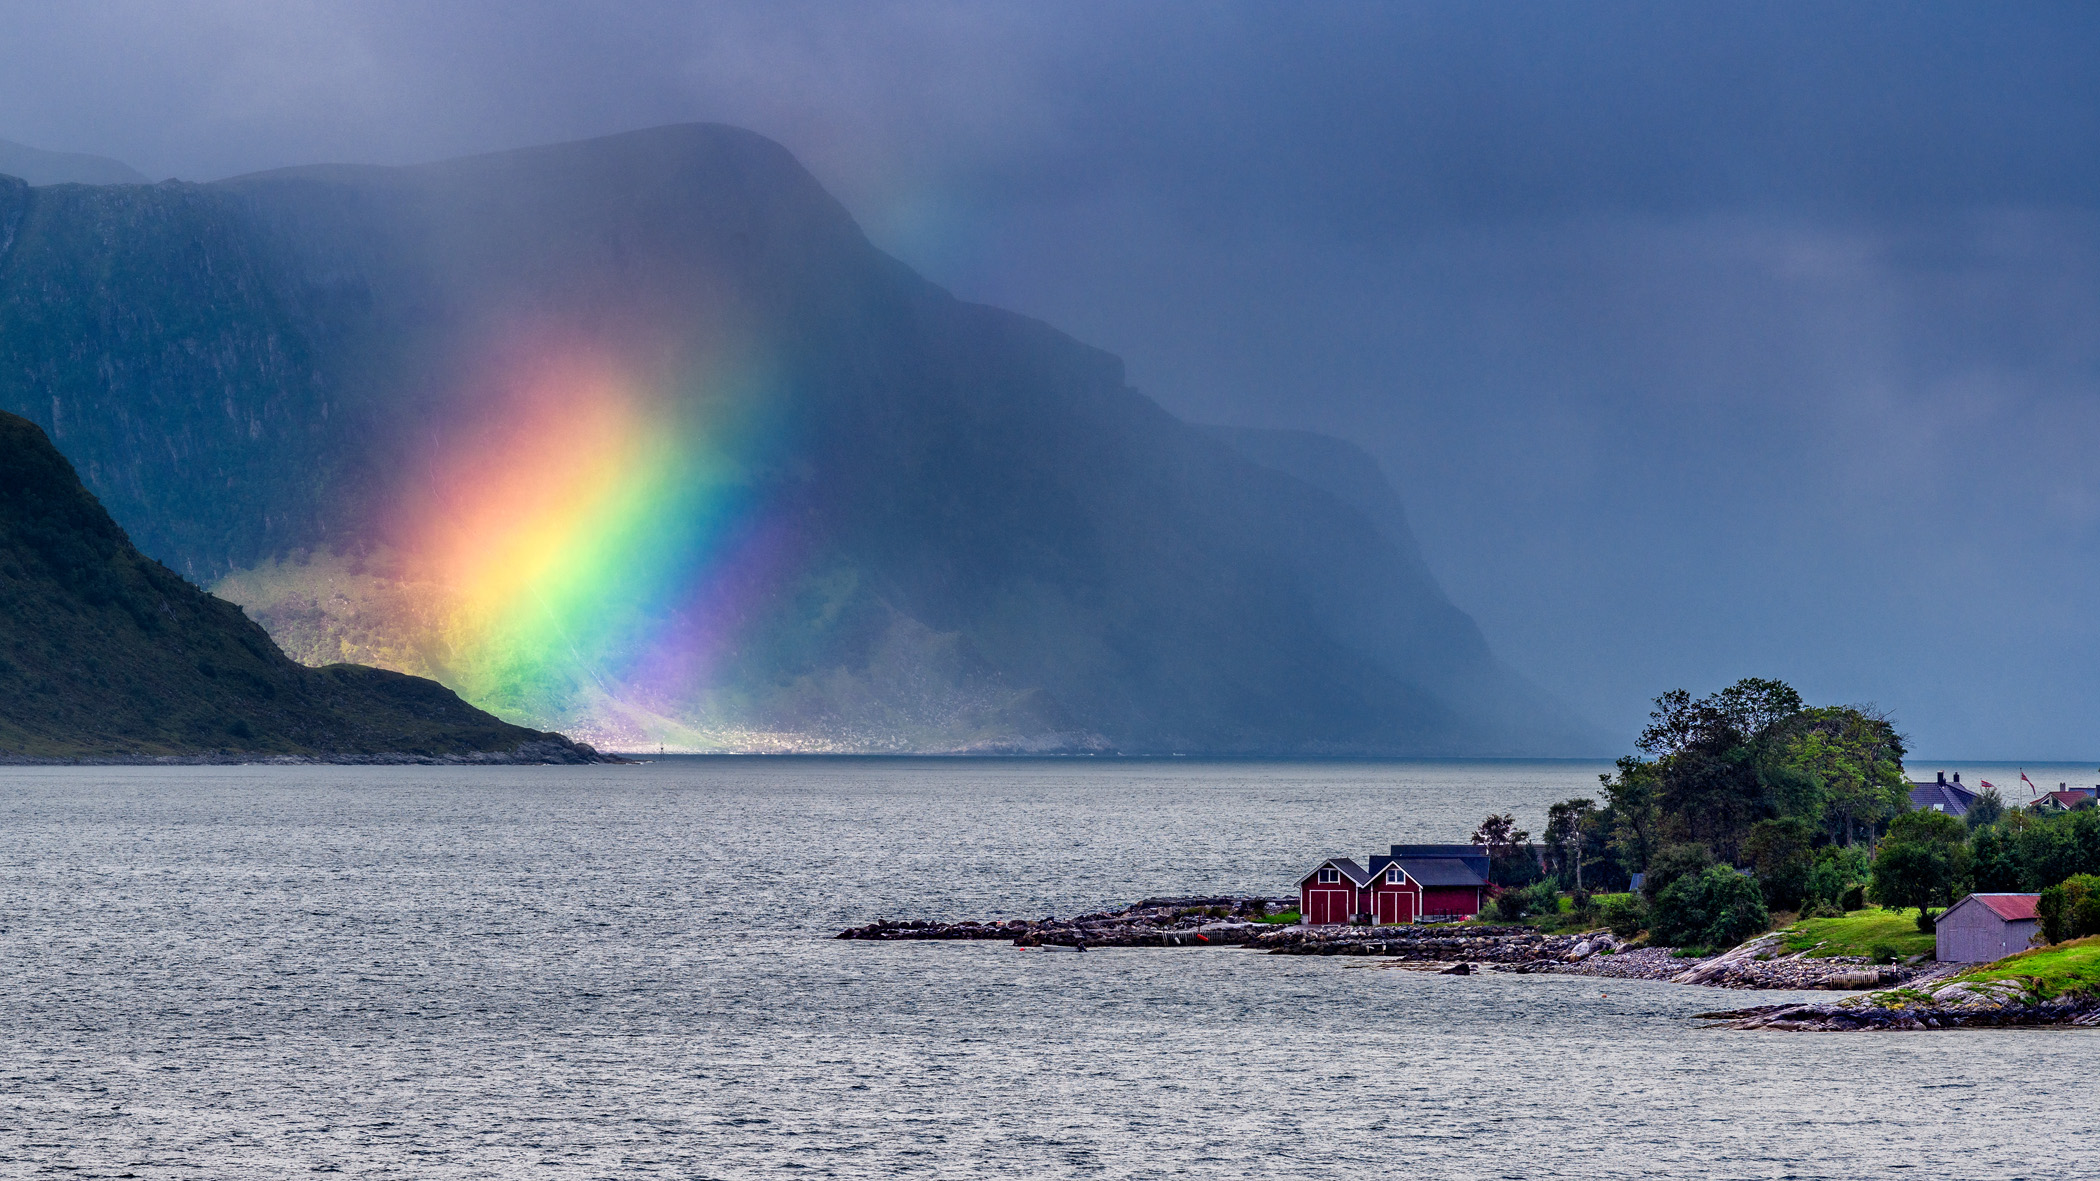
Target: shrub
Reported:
[(2071, 908), (1836, 873), (1625, 914), (1782, 853), (1537, 898), (1717, 907), (1675, 861), (1921, 863)]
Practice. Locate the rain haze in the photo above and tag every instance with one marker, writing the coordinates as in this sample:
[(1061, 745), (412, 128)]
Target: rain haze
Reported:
[(1701, 341)]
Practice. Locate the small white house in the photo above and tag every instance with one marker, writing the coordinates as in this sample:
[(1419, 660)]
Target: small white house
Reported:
[(1985, 927)]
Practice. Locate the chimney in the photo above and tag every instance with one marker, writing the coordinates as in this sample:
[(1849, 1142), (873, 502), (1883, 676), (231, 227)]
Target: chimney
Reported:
[(1943, 779), (1957, 778)]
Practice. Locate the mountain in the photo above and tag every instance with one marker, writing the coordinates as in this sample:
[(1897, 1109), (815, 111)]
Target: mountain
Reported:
[(106, 653), (640, 438), (40, 167)]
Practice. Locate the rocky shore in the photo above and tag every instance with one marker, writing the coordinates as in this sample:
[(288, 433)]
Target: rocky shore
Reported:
[(1155, 922), (1951, 1006), (1236, 922)]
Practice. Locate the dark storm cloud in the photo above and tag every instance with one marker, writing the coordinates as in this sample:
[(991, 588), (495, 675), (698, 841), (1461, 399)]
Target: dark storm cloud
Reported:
[(1704, 341)]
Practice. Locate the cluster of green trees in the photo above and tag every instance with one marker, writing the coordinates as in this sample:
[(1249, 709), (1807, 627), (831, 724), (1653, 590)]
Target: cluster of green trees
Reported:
[(1750, 801), (1741, 802)]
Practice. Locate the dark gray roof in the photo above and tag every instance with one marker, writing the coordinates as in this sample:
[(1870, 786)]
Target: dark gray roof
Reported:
[(1953, 799), (1472, 855), (1351, 870), (1442, 871)]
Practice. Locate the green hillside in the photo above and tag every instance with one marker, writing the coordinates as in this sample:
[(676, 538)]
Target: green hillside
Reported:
[(106, 653)]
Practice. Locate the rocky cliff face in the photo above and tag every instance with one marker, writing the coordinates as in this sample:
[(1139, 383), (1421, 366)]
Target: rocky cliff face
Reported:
[(640, 436)]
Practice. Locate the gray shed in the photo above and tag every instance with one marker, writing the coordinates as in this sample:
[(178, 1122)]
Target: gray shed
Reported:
[(1985, 927)]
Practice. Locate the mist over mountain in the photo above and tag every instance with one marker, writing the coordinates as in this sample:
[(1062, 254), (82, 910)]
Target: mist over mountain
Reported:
[(639, 438), (40, 167)]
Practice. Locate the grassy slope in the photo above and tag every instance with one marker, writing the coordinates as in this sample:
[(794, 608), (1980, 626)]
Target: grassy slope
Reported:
[(104, 652), (2069, 967), (1870, 932)]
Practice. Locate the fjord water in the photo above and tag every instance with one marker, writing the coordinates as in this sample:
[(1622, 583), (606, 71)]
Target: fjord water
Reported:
[(625, 972)]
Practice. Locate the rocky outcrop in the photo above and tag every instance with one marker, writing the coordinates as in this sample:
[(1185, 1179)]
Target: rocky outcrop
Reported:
[(1509, 948), (1155, 922), (1765, 962), (1956, 1005)]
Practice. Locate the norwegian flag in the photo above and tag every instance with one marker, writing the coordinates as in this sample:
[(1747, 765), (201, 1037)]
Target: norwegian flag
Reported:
[(2030, 783), (1987, 785)]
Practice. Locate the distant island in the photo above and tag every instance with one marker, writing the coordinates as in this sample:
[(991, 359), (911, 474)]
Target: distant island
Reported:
[(107, 656)]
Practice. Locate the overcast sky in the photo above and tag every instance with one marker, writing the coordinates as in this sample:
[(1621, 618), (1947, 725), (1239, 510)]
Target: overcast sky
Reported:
[(1704, 342)]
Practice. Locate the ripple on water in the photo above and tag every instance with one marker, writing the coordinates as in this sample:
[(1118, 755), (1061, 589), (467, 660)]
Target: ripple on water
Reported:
[(549, 972)]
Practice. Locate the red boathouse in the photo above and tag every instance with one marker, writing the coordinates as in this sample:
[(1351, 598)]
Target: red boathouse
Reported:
[(1413, 883)]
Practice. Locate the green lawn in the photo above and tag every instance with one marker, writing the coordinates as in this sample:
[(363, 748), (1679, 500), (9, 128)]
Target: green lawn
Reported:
[(1882, 934), (2072, 966), (1286, 916)]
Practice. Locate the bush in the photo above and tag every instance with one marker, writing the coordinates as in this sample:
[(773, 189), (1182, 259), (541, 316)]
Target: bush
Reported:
[(1625, 914), (1673, 862), (2071, 908), (1717, 907), (1782, 853), (1836, 874), (1538, 898)]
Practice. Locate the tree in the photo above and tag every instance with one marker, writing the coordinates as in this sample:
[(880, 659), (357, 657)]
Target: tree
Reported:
[(1855, 759), (1837, 874), (1567, 836), (1781, 853), (1985, 809), (1921, 862), (2071, 908), (1499, 836), (1635, 817), (1503, 841), (1673, 862), (1716, 907)]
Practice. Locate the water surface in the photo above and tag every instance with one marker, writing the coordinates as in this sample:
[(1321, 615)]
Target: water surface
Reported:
[(623, 972)]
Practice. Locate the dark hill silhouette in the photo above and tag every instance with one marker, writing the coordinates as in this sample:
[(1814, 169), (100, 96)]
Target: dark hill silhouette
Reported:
[(105, 653)]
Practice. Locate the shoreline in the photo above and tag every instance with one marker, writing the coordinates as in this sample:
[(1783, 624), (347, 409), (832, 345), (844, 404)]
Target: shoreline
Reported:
[(529, 754), (1235, 921)]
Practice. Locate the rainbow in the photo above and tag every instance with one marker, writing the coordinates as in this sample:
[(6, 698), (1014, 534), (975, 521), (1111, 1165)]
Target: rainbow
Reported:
[(594, 542)]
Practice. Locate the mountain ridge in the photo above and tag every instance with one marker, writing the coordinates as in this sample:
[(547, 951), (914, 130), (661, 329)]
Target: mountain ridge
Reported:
[(835, 507), (41, 167)]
